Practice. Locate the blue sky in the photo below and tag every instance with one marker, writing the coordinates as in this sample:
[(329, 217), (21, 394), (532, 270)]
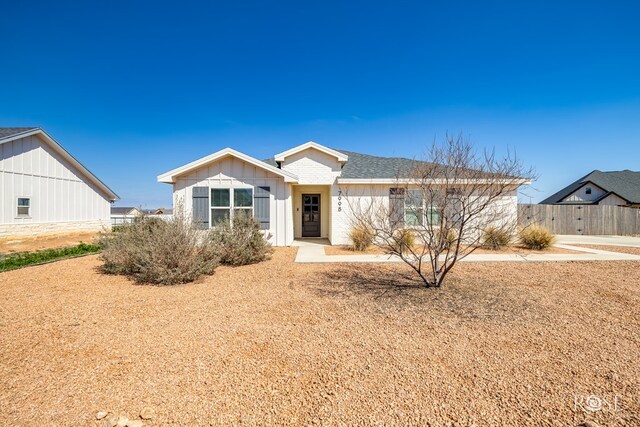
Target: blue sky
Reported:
[(134, 89)]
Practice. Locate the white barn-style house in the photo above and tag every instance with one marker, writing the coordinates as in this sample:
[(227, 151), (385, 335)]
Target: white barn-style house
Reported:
[(304, 192), (45, 190)]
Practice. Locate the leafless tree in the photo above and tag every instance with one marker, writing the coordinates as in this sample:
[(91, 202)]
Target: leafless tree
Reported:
[(439, 208)]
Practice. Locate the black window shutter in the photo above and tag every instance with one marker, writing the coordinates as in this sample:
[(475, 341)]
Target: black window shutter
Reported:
[(262, 206), (201, 207)]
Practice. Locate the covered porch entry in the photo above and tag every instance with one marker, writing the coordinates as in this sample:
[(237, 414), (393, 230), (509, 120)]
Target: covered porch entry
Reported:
[(311, 211)]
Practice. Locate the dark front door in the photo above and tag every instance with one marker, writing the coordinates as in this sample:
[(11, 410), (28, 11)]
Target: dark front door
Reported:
[(310, 215)]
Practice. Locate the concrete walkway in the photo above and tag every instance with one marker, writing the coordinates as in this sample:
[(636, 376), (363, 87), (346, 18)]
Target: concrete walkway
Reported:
[(312, 251), (633, 242)]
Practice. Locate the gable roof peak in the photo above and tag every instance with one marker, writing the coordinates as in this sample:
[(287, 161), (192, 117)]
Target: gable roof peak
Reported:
[(170, 177), (311, 144)]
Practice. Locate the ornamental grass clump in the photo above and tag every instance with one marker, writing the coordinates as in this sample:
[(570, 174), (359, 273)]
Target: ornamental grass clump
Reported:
[(361, 238), (536, 238), (158, 251), (496, 238), (240, 242)]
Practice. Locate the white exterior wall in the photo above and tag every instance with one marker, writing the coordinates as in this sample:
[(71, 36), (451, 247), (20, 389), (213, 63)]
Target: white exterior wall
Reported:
[(61, 198), (231, 172), (313, 167), (349, 197)]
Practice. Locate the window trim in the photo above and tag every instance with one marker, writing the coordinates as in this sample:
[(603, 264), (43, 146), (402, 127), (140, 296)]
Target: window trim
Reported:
[(28, 206), (231, 208)]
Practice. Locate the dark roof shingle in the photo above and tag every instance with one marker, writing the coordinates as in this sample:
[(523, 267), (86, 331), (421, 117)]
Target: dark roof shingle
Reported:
[(7, 132), (625, 184), (366, 166)]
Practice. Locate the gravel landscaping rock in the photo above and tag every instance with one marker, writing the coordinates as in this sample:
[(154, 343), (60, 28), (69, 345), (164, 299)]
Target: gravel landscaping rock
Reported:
[(507, 344), (147, 413)]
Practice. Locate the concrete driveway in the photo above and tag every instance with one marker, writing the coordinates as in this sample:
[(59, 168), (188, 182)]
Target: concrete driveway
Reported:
[(599, 240)]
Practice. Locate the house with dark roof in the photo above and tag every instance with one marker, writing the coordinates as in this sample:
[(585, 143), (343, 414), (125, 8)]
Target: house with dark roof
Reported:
[(45, 190), (303, 192), (618, 188), (126, 210)]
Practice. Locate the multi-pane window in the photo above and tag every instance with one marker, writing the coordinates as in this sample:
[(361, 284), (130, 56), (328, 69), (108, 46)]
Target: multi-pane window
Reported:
[(220, 205), (416, 211), (243, 201), (226, 203), (23, 206)]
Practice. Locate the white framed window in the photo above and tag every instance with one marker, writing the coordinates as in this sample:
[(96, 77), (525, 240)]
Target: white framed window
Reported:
[(416, 211), (243, 201), (227, 202), (24, 206)]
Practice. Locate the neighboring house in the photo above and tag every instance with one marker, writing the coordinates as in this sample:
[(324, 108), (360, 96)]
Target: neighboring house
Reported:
[(300, 193), (126, 211), (124, 215), (162, 211), (45, 190), (618, 188)]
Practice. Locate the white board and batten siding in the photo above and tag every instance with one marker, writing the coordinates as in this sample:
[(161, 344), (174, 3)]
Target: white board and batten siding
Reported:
[(60, 198), (231, 172)]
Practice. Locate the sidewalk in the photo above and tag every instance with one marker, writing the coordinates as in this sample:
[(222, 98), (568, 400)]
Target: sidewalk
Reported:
[(312, 251)]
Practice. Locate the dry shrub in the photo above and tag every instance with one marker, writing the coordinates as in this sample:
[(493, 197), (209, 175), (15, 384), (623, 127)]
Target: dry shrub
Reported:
[(404, 240), (451, 238), (240, 242), (496, 238), (536, 237), (361, 238), (156, 251)]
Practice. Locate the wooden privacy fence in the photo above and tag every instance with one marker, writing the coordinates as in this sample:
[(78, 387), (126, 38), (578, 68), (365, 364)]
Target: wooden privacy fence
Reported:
[(588, 220)]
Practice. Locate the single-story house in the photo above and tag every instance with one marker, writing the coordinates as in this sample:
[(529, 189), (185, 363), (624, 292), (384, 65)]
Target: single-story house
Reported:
[(125, 210), (303, 192), (618, 188), (162, 211), (45, 190)]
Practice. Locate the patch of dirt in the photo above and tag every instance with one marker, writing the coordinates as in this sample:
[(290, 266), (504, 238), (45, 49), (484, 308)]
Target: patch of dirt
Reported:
[(515, 249), (507, 344), (27, 244)]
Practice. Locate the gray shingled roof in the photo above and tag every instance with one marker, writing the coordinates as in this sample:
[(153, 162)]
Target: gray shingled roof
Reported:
[(121, 210), (6, 132), (365, 166), (625, 184), (374, 167)]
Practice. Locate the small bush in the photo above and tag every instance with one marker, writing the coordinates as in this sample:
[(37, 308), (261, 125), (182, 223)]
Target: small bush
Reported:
[(159, 252), (404, 240), (240, 242), (361, 238), (496, 238), (536, 237), (450, 239)]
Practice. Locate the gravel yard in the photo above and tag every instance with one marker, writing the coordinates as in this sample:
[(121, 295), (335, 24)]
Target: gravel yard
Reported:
[(326, 344)]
